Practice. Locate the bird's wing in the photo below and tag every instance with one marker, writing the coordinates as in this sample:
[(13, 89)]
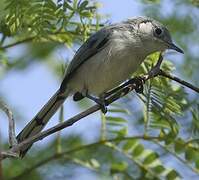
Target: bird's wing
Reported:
[(92, 46)]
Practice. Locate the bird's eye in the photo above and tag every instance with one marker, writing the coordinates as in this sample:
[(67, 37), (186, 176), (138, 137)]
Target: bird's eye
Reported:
[(158, 31)]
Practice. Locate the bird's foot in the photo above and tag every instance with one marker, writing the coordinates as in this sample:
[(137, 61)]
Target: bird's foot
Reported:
[(78, 96), (100, 101), (154, 71), (139, 82), (103, 105)]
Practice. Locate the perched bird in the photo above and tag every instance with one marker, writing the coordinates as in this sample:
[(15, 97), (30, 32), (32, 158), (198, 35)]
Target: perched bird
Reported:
[(104, 61)]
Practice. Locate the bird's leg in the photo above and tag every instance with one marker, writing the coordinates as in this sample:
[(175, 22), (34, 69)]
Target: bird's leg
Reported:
[(156, 69), (101, 101), (138, 82)]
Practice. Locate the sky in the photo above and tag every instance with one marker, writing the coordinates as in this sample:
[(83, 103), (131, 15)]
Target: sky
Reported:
[(37, 84), (28, 90)]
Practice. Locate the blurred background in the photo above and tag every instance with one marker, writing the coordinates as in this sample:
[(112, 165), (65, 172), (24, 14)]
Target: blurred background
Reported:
[(32, 70)]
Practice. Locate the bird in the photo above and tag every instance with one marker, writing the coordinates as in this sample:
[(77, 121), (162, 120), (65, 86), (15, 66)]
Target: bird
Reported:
[(108, 57)]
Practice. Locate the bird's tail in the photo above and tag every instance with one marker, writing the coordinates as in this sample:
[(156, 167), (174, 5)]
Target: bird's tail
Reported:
[(41, 119)]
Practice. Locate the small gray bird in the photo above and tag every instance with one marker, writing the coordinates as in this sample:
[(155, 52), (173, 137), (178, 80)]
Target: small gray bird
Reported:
[(104, 61)]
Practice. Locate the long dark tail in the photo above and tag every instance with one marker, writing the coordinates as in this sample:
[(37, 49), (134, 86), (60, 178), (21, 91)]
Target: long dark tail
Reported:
[(41, 119)]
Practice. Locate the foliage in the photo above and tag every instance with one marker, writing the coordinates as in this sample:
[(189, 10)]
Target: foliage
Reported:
[(131, 145), (46, 18), (195, 2), (47, 24)]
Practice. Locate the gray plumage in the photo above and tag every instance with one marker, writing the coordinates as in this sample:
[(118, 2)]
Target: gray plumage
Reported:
[(104, 61)]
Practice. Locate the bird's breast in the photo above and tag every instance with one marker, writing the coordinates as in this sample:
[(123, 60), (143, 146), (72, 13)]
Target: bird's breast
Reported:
[(106, 70)]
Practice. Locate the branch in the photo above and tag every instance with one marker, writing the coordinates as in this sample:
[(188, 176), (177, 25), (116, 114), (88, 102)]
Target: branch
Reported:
[(179, 158), (18, 42), (29, 39), (28, 170), (139, 164), (11, 129), (174, 78), (126, 88), (70, 121), (156, 71)]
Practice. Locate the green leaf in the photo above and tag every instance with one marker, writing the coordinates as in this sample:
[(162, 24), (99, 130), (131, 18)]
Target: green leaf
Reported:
[(125, 111), (122, 132), (159, 169), (4, 28), (118, 167), (197, 164), (179, 146), (172, 175), (191, 154), (138, 150), (94, 163), (130, 144), (83, 5), (195, 120), (68, 6), (86, 14), (150, 158), (116, 119), (162, 100)]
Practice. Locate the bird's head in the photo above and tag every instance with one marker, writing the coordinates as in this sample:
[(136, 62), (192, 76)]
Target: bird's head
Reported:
[(154, 35)]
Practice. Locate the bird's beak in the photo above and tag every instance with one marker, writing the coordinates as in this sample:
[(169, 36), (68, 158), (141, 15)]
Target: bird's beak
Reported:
[(174, 47)]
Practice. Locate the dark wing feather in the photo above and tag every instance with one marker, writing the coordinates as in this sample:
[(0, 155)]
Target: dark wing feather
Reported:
[(91, 47)]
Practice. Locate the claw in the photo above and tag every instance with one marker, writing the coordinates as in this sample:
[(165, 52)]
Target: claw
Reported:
[(78, 96), (103, 107), (139, 81)]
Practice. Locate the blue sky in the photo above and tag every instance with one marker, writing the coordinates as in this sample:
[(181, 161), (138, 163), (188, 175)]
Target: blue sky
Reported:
[(28, 90)]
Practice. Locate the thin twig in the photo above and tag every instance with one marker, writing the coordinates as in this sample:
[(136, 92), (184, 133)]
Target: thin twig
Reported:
[(72, 120), (174, 78), (2, 39), (103, 127), (29, 39), (130, 85), (54, 129), (58, 140), (139, 164), (156, 71), (79, 148), (65, 158), (11, 129), (18, 42), (8, 154), (192, 141), (176, 156)]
